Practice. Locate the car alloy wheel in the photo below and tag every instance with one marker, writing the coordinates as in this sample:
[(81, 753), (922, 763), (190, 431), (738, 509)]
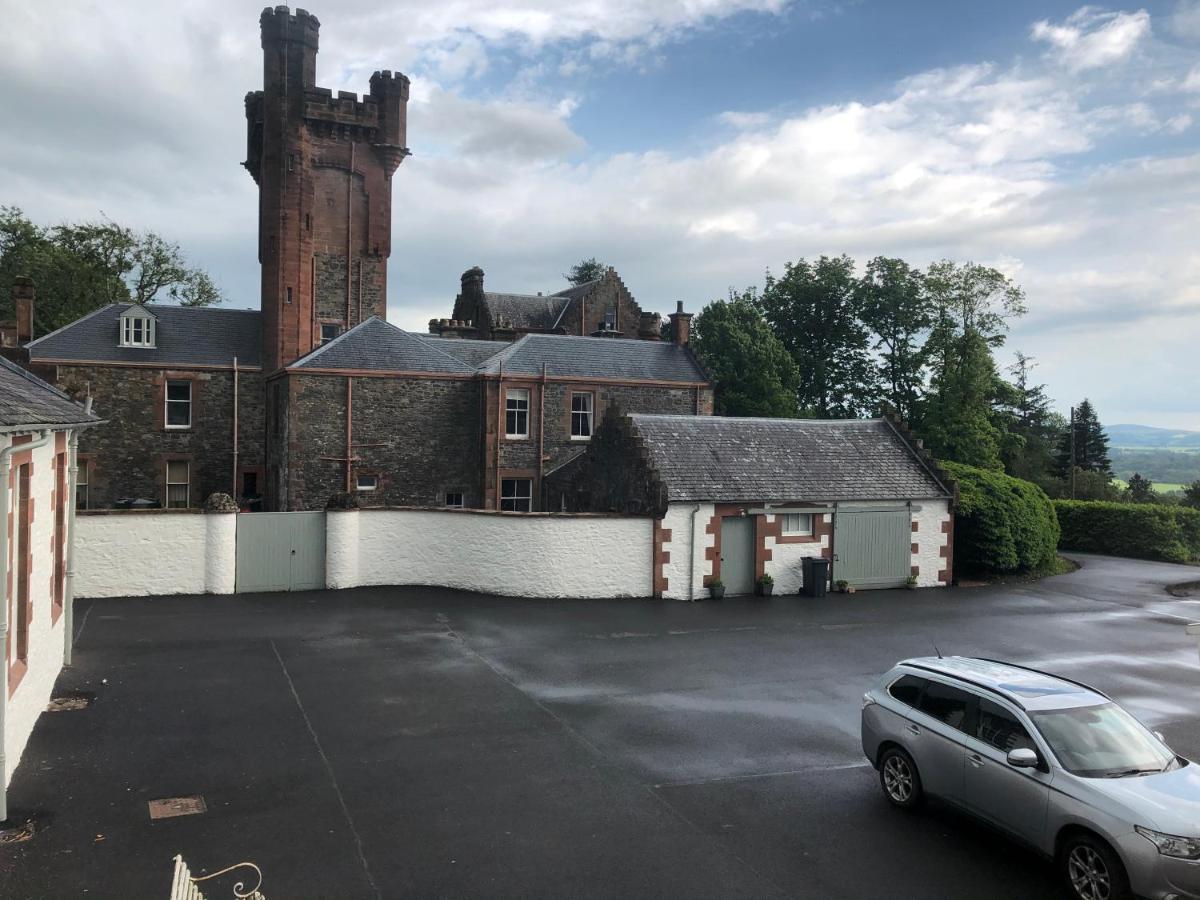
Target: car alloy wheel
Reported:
[(898, 779), (1089, 873)]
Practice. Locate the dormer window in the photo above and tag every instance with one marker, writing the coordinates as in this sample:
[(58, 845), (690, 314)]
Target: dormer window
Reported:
[(137, 327)]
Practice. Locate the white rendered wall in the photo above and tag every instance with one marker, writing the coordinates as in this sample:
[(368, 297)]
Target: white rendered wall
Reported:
[(680, 520), (141, 553), (45, 636), (930, 539), (786, 562), (522, 556)]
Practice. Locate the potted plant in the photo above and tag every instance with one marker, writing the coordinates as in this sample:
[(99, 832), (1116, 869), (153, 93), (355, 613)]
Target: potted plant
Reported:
[(764, 585), (716, 589), (911, 582), (842, 585)]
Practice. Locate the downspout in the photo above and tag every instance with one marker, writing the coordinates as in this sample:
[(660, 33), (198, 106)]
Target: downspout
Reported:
[(349, 232), (692, 556), (541, 432), (500, 423), (234, 493), (349, 430), (69, 587), (5, 457)]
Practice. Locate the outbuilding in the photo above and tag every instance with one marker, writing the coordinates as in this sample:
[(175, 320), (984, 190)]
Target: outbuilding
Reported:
[(739, 498)]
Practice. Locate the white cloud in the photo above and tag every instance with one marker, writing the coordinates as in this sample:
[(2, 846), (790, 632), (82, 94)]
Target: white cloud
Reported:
[(1185, 21), (1192, 81), (1089, 39)]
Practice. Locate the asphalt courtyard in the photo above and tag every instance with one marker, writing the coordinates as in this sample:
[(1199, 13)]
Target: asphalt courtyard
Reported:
[(414, 742)]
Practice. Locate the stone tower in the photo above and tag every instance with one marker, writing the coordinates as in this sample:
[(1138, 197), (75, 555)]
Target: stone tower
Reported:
[(324, 168)]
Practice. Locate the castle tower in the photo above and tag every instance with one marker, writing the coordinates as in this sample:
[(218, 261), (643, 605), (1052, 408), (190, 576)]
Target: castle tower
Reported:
[(324, 168)]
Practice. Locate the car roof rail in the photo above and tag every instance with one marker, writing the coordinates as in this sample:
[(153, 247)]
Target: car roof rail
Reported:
[(1001, 662)]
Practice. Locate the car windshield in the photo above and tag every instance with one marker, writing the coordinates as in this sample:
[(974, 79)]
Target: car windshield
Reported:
[(1102, 741)]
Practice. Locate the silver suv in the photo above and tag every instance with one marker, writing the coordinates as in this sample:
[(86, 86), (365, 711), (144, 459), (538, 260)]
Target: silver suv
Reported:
[(1054, 763)]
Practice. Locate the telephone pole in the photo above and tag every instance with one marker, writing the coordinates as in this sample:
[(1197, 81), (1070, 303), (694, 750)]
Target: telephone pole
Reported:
[(1072, 453)]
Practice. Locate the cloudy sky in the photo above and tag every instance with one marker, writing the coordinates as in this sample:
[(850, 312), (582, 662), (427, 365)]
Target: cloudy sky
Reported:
[(691, 143)]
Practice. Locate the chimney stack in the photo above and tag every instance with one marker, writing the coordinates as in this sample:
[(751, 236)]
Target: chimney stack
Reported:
[(681, 325), (23, 294)]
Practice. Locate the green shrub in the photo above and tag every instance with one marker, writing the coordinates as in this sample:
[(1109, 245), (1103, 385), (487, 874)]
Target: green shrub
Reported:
[(1142, 530), (1003, 525)]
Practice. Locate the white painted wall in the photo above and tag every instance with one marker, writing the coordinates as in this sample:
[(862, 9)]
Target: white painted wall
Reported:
[(930, 540), (786, 562), (45, 635), (681, 522), (518, 555), (140, 553)]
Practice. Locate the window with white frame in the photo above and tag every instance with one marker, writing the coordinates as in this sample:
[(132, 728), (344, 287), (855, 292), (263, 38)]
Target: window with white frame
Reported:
[(516, 494), (610, 319), (329, 331), (454, 499), (516, 413), (137, 329), (178, 483), (368, 482), (81, 484), (179, 404), (581, 416), (798, 524)]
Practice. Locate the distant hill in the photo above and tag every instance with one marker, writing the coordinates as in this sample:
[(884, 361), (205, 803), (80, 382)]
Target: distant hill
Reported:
[(1148, 437)]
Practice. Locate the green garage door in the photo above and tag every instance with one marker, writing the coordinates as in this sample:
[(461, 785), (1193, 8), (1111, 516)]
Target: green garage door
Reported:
[(872, 546), (280, 551)]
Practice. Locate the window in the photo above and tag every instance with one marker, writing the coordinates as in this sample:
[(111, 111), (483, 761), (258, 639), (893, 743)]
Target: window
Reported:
[(179, 404), (81, 484), (178, 486), (454, 499), (516, 494), (1000, 728), (328, 333), (137, 330), (946, 704), (581, 416), (798, 523), (907, 689), (368, 482), (516, 413), (1102, 740), (289, 295), (610, 319)]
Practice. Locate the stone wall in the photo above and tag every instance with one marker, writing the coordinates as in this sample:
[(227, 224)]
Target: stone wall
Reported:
[(127, 456)]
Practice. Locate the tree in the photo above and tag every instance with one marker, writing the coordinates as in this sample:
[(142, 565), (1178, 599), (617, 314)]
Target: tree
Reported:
[(1191, 495), (813, 310), (1090, 450), (79, 268), (893, 305), (971, 308), (585, 270), (1026, 407), (1141, 490), (752, 372)]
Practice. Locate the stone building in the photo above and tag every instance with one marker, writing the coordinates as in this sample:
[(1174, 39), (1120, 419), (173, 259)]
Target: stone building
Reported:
[(314, 394)]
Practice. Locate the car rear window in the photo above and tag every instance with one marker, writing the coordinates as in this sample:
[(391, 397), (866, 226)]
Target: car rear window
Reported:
[(907, 689), (946, 704)]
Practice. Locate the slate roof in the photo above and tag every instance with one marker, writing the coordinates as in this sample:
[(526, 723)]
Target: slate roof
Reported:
[(380, 346), (184, 335), (473, 353), (27, 400), (588, 357), (712, 458), (524, 311)]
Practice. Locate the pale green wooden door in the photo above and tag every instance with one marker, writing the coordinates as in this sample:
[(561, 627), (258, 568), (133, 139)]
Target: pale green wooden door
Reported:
[(872, 547), (282, 551), (737, 554)]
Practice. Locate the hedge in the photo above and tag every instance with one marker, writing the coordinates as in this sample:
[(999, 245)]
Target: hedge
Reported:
[(1142, 530), (1003, 525)]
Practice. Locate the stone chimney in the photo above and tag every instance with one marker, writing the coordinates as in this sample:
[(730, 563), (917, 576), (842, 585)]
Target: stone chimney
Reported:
[(681, 325), (650, 326), (23, 294)]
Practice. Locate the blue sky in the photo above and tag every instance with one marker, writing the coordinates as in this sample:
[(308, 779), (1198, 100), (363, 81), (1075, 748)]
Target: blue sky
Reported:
[(690, 144)]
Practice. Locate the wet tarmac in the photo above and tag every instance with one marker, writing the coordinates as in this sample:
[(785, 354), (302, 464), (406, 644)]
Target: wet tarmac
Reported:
[(414, 742)]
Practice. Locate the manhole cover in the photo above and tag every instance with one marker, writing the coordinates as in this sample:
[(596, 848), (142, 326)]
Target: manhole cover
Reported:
[(169, 807), (63, 704)]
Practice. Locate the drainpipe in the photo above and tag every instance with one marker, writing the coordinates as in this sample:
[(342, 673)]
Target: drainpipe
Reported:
[(5, 456), (692, 557), (69, 587), (541, 433), (234, 491), (349, 432)]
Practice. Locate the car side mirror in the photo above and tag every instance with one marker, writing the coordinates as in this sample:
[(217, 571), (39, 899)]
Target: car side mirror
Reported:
[(1023, 758)]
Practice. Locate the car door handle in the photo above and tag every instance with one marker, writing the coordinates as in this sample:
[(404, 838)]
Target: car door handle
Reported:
[(976, 760), (913, 729)]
